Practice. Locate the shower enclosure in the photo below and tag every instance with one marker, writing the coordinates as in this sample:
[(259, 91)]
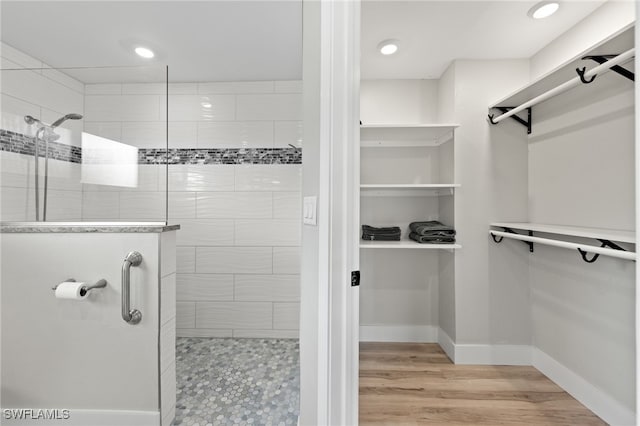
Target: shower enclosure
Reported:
[(88, 257)]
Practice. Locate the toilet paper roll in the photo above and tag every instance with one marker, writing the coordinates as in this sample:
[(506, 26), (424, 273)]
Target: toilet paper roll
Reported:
[(71, 290)]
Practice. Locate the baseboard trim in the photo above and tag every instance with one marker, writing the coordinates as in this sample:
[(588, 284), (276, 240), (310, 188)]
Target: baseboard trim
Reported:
[(95, 418), (399, 333), (447, 345), (492, 354), (603, 405)]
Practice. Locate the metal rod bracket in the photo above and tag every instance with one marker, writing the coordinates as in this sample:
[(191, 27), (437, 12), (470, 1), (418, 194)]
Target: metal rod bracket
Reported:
[(601, 59), (526, 123), (511, 231), (603, 243)]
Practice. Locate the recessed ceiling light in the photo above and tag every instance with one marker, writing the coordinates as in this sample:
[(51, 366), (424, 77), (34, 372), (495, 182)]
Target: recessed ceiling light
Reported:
[(144, 52), (543, 9), (388, 47), (206, 104)]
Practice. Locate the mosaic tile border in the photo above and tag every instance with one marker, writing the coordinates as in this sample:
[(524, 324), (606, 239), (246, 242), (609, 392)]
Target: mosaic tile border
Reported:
[(23, 144), (221, 156)]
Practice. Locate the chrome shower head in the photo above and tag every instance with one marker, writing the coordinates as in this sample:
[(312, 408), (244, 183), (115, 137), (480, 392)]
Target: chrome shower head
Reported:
[(30, 120), (65, 118)]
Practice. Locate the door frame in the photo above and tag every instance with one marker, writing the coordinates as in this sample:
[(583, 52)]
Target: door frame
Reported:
[(330, 251)]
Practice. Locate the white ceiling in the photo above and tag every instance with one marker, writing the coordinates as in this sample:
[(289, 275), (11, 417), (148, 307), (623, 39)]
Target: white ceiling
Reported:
[(262, 40), (199, 40), (433, 33)]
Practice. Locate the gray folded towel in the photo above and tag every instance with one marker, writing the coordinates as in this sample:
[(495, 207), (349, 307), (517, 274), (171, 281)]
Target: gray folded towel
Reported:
[(371, 233), (424, 239), (432, 228)]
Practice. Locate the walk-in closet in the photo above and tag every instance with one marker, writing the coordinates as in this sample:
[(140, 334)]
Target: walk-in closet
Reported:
[(525, 156)]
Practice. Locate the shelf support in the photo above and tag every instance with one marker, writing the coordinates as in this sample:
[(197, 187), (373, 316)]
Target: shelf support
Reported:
[(526, 123), (511, 231), (603, 243), (601, 59)]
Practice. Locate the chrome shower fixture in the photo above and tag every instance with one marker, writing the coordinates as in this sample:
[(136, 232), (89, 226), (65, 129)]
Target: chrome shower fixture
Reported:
[(30, 120), (47, 134), (61, 120)]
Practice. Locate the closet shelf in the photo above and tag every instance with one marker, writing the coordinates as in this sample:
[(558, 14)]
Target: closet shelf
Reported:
[(604, 236), (405, 135), (567, 76), (406, 244), (407, 190)]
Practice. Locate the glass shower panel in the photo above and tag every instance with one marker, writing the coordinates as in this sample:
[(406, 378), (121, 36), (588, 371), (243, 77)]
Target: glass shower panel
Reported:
[(100, 135)]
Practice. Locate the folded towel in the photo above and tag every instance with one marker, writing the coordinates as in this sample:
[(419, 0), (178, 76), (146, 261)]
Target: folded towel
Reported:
[(371, 233), (432, 227), (422, 239)]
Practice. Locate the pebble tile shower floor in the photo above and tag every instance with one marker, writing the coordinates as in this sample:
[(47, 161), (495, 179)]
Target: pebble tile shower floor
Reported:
[(237, 381)]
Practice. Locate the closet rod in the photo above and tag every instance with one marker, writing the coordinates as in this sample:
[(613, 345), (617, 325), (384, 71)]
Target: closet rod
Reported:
[(565, 244), (602, 68)]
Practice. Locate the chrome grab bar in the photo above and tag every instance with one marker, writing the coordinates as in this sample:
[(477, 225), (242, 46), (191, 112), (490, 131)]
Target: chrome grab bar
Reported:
[(131, 316)]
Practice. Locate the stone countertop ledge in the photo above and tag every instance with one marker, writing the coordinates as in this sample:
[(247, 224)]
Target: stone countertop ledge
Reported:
[(79, 227)]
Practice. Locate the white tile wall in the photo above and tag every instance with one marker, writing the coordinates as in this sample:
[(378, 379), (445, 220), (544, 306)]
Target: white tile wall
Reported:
[(234, 315), (202, 107), (238, 247), (234, 260), (286, 316), (286, 260), (141, 206), (235, 134), (168, 299), (185, 315), (287, 205), (288, 86), (268, 177), (205, 232), (267, 232), (201, 177), (269, 107), (45, 94), (124, 108), (185, 259), (234, 205), (182, 205), (288, 132), (205, 287), (275, 288)]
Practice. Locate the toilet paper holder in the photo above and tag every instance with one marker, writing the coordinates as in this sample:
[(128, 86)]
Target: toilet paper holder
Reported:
[(85, 289)]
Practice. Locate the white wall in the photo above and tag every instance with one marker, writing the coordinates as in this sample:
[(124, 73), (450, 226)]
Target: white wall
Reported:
[(45, 94), (238, 247), (398, 101), (604, 22), (581, 172), (490, 308)]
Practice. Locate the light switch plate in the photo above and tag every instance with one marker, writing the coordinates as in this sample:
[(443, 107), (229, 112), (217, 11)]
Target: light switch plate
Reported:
[(309, 210)]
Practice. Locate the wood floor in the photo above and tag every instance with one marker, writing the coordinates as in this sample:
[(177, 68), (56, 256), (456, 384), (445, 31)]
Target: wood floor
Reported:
[(409, 383)]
